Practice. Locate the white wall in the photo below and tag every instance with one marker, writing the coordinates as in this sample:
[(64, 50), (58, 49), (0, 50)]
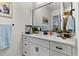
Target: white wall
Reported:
[(76, 15), (21, 16), (77, 28)]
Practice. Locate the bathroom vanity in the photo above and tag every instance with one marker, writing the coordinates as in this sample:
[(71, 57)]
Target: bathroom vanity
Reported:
[(44, 45), (50, 17)]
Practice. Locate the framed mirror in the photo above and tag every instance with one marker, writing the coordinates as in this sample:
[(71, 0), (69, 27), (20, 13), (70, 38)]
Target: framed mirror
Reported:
[(47, 16), (53, 16)]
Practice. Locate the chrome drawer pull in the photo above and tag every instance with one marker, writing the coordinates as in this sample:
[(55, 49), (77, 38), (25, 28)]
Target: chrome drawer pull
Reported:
[(59, 48)]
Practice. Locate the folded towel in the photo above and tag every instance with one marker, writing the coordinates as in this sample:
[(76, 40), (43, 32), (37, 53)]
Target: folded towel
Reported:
[(70, 24), (5, 35)]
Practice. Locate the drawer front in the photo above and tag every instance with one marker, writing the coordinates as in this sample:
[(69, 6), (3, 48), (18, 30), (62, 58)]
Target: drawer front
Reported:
[(26, 52), (61, 48), (40, 42), (26, 44), (54, 53), (24, 37)]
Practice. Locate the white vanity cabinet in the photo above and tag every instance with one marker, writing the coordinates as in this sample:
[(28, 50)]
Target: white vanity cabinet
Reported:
[(34, 46)]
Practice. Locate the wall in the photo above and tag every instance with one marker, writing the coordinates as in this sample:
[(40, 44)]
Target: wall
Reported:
[(21, 16), (76, 15), (77, 27)]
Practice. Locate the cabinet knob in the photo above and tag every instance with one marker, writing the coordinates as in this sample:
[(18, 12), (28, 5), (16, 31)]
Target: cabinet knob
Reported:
[(36, 49), (25, 44), (25, 52)]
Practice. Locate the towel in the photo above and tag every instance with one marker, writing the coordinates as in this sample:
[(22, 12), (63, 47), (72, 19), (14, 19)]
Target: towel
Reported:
[(5, 35), (70, 24)]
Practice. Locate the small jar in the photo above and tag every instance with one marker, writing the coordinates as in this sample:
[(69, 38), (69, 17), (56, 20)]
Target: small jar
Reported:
[(49, 32)]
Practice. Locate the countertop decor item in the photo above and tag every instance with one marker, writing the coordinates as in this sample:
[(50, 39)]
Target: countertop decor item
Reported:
[(49, 33), (28, 29), (35, 30)]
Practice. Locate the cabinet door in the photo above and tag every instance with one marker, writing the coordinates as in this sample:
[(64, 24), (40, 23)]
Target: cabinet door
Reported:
[(33, 49), (54, 53), (59, 47), (43, 51), (36, 50)]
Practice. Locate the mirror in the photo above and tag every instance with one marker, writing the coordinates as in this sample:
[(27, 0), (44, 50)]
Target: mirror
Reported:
[(47, 16)]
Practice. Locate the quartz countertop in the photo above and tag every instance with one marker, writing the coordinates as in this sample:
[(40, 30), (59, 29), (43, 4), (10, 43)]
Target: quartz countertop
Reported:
[(68, 41)]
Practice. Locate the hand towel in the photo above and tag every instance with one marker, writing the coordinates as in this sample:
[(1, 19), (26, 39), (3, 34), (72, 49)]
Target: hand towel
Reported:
[(5, 35), (70, 24)]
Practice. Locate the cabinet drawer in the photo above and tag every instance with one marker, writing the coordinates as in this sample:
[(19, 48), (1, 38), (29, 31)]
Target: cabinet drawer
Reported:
[(40, 42), (25, 37), (61, 48), (26, 52), (26, 44), (54, 53)]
